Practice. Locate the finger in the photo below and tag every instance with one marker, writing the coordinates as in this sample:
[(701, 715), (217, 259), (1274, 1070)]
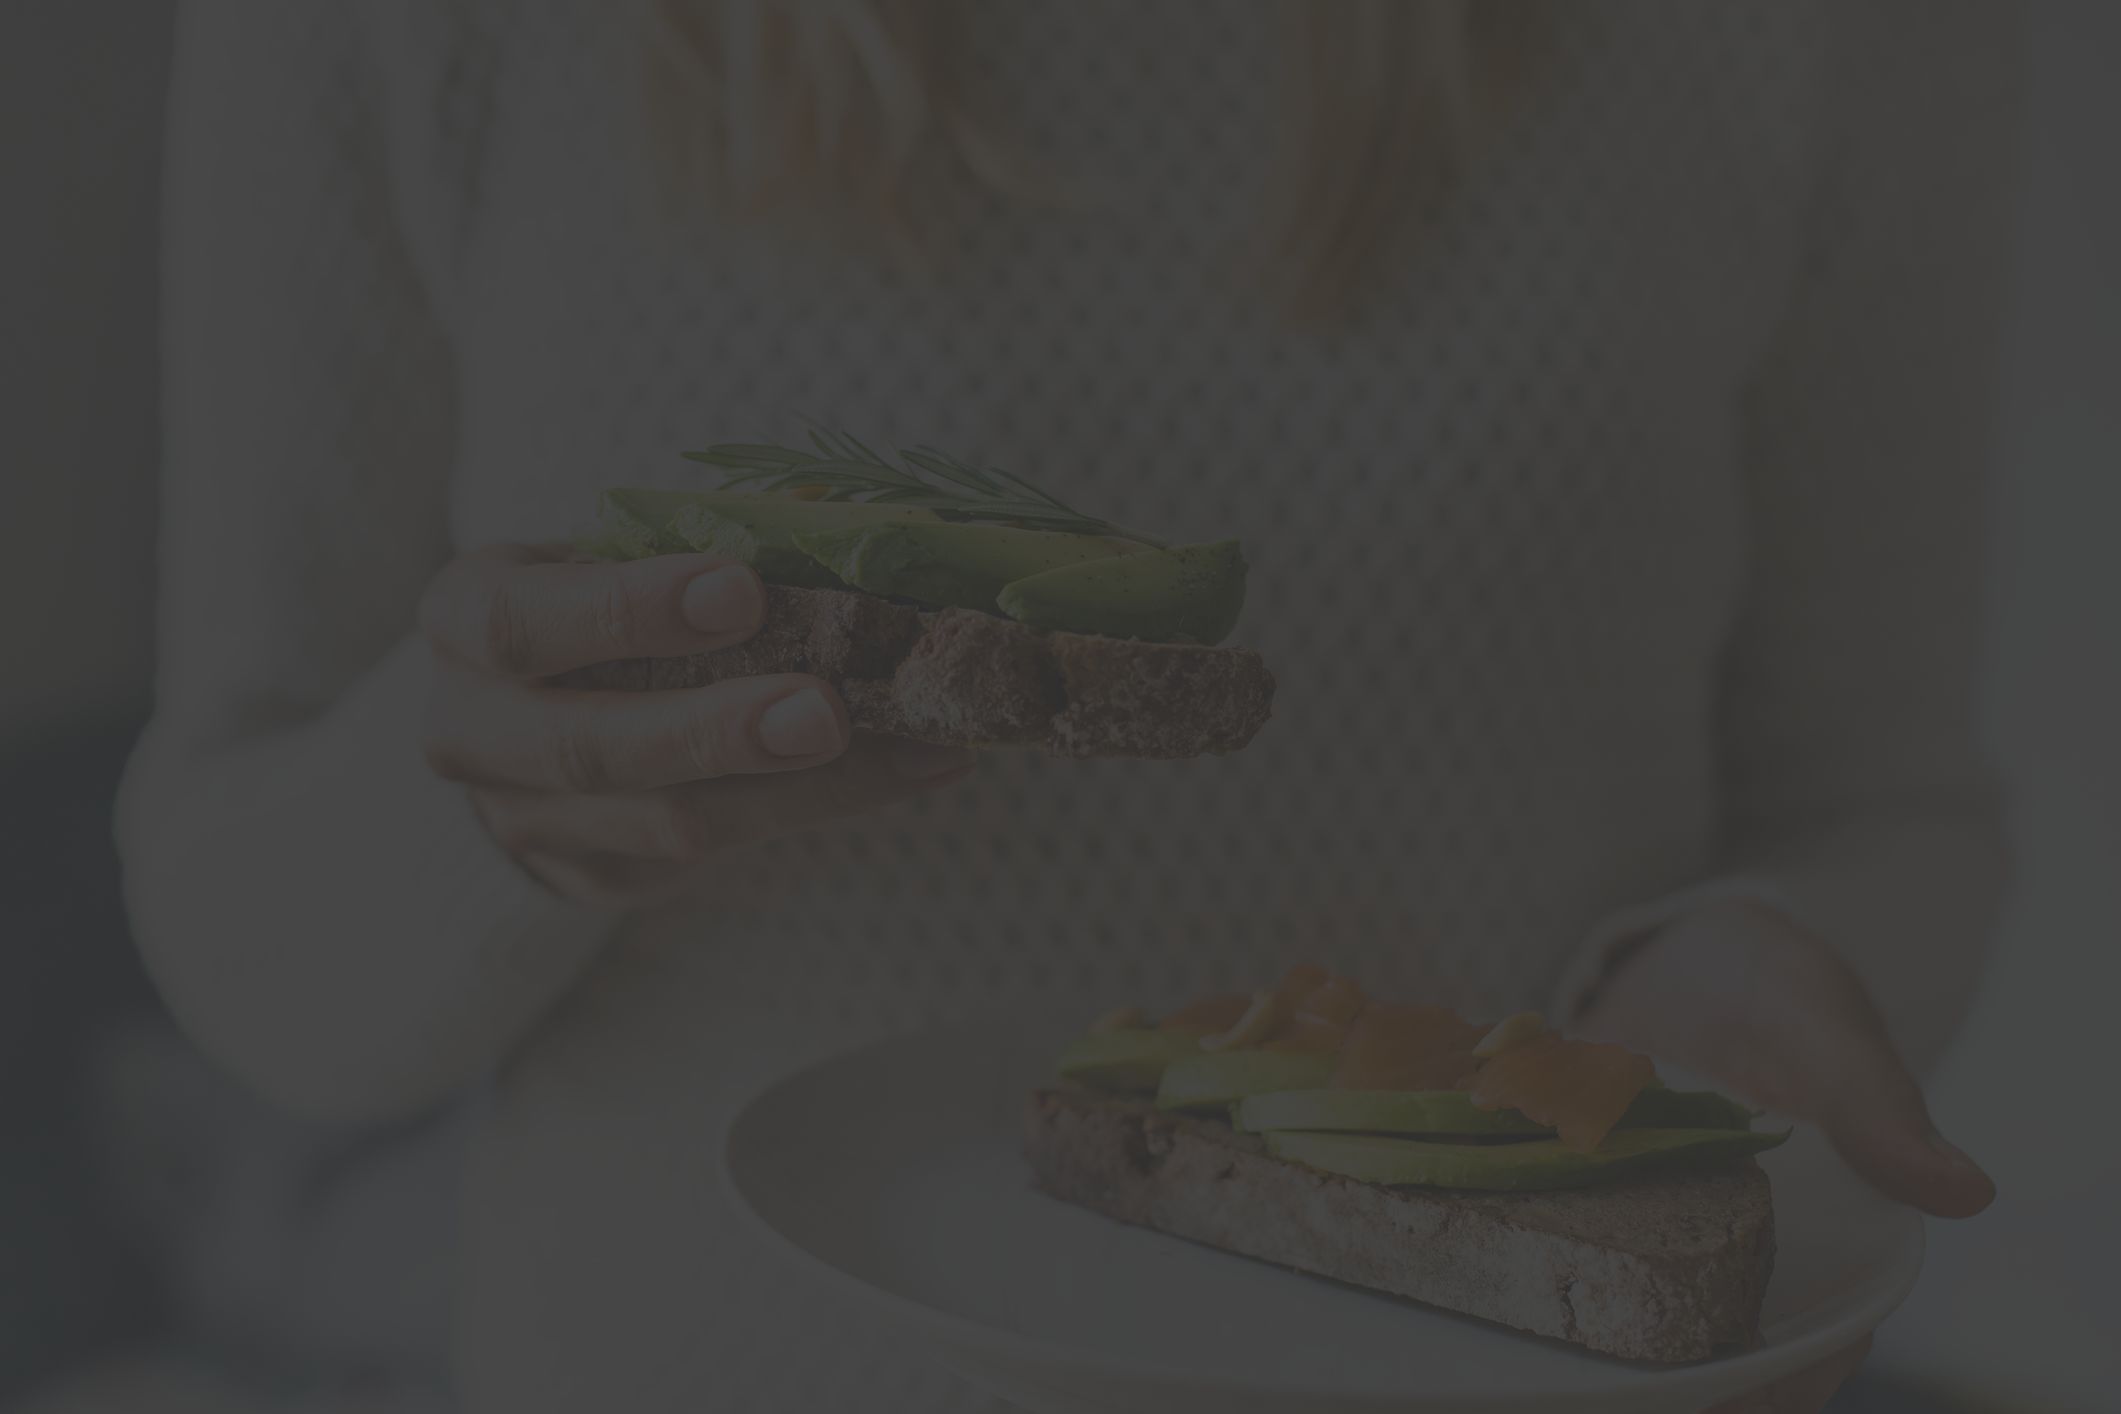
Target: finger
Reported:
[(1805, 1392), (515, 612), (1874, 1113), (1804, 1038), (490, 733), (687, 824)]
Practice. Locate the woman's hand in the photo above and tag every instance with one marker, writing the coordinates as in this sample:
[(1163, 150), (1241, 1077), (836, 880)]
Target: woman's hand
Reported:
[(618, 798), (1762, 1007)]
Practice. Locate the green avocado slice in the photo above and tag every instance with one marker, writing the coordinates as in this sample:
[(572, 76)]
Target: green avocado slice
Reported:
[(1380, 1112), (1453, 1112), (1659, 1108), (1215, 1080), (1534, 1164), (1132, 1060), (966, 566), (757, 530), (1190, 593), (1044, 579)]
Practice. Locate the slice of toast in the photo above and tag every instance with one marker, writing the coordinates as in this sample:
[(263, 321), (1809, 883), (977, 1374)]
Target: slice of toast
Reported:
[(1667, 1269), (956, 677)]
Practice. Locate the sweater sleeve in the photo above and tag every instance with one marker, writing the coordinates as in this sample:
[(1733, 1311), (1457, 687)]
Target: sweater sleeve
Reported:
[(1857, 795), (325, 916)]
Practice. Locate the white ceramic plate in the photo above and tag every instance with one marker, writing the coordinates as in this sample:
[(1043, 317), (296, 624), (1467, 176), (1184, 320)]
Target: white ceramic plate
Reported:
[(894, 1172)]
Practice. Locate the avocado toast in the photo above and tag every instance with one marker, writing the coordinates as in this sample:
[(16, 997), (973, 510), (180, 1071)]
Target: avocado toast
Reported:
[(1501, 1172), (957, 605)]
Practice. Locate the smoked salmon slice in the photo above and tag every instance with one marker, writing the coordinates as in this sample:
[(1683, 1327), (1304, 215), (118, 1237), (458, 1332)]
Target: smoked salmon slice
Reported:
[(1581, 1088), (1297, 984), (1321, 1018), (1337, 1001), (1216, 1014), (1279, 1019), (1393, 1047)]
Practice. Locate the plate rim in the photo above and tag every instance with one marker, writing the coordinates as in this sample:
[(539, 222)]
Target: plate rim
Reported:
[(1769, 1363)]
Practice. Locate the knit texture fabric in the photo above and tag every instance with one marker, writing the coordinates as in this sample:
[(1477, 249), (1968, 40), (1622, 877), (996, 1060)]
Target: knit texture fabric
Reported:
[(1621, 543)]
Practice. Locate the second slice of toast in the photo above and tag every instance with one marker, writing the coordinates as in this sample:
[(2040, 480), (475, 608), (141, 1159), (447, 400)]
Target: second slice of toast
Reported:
[(1667, 1269)]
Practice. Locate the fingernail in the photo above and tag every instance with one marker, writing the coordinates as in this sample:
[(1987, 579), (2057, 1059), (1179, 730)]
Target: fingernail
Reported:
[(803, 724), (920, 761), (723, 601)]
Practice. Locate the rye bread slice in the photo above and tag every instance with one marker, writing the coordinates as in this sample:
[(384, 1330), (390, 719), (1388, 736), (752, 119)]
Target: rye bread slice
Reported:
[(1669, 1269), (956, 677)]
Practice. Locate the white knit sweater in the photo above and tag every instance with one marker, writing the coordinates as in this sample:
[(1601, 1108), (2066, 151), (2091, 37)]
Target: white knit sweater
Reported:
[(1624, 546)]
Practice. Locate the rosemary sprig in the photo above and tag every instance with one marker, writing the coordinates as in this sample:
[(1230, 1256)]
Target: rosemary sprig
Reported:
[(842, 468)]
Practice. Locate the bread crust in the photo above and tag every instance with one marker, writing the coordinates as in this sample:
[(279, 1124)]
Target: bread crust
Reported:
[(956, 677), (1667, 1270)]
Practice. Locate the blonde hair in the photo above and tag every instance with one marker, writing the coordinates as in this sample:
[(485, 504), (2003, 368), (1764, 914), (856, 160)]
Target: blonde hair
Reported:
[(786, 106)]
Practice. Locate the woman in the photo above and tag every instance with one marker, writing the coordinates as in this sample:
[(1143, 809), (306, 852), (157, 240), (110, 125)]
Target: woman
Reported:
[(1605, 420)]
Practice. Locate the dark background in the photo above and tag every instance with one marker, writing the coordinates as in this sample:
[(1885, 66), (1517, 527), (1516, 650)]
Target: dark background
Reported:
[(2018, 1311)]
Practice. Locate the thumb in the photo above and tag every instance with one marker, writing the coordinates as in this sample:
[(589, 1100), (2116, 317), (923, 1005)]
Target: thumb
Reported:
[(1880, 1125)]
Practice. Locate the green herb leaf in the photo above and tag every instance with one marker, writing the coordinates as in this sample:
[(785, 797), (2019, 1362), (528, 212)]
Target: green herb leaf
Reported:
[(847, 469)]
